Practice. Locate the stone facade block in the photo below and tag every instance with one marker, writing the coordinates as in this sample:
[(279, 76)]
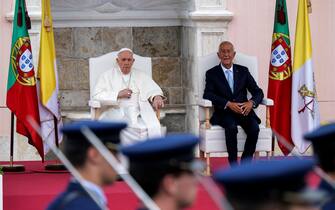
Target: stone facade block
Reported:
[(73, 99), (166, 94), (175, 123), (176, 95), (114, 39), (63, 42), (155, 72), (169, 71), (87, 42), (157, 41), (73, 74)]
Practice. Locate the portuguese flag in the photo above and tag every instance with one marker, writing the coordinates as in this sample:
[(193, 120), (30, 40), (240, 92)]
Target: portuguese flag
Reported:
[(280, 78), (21, 85)]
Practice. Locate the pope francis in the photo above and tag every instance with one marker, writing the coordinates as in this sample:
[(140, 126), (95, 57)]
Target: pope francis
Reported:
[(134, 91)]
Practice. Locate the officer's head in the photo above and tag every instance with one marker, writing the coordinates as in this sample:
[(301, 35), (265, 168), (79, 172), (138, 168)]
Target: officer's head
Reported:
[(164, 167), (323, 141), (83, 155), (265, 185)]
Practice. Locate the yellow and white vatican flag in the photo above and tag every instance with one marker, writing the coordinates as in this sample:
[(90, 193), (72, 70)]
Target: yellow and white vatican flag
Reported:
[(49, 107), (304, 109)]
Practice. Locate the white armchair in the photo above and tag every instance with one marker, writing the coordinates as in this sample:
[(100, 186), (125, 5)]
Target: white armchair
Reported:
[(213, 137), (98, 66)]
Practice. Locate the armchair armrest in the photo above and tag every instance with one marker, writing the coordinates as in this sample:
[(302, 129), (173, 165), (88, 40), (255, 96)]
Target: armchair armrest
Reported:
[(94, 104), (109, 103), (205, 103), (99, 106), (267, 102), (101, 103)]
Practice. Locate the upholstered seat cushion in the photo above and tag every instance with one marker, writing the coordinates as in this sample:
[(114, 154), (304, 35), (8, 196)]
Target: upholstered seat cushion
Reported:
[(213, 139), (135, 134)]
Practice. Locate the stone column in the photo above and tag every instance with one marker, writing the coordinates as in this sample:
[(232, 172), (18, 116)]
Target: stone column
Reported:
[(204, 27), (22, 150)]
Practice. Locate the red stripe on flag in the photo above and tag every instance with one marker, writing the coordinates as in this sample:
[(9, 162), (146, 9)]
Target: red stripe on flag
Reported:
[(22, 101)]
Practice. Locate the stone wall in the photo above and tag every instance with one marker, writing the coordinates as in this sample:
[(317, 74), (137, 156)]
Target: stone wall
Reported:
[(74, 46)]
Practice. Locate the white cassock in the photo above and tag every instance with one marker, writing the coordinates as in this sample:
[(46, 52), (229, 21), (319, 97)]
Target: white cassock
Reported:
[(136, 111)]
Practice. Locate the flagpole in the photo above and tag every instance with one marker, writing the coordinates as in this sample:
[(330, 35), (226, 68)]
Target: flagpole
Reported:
[(56, 166), (56, 132), (12, 167), (268, 125), (11, 138)]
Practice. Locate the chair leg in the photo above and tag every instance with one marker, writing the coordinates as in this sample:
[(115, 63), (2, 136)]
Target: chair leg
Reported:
[(202, 155), (203, 158), (256, 155), (208, 164), (269, 154)]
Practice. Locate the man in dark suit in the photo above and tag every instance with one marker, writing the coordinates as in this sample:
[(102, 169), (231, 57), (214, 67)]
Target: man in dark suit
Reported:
[(227, 85), (90, 164)]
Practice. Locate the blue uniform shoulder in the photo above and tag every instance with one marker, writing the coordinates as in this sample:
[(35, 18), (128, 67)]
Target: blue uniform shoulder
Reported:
[(82, 202), (73, 198), (78, 202)]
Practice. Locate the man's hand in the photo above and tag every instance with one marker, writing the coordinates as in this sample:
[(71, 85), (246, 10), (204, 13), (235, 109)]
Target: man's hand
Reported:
[(158, 102), (235, 107), (125, 93), (246, 107)]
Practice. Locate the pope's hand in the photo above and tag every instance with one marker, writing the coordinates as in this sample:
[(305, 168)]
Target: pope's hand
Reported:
[(125, 93), (158, 102)]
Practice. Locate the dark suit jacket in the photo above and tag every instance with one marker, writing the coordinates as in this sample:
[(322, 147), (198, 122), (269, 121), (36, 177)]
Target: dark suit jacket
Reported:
[(74, 198), (218, 91)]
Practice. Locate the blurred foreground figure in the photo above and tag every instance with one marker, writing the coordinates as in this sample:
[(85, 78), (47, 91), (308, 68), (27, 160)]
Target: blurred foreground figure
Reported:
[(164, 168), (270, 185), (94, 169), (323, 141)]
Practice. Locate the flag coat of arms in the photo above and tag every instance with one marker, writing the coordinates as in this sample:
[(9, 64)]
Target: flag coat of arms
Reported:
[(21, 85), (305, 110), (280, 77), (49, 107)]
